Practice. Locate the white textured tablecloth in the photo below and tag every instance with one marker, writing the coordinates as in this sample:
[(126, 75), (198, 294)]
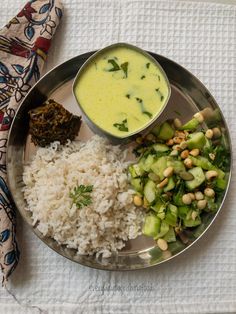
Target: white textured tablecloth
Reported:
[(201, 37)]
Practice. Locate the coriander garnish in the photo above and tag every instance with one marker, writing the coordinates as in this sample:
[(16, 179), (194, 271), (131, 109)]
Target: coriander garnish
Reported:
[(160, 94), (116, 67), (148, 65), (124, 67), (123, 126), (128, 96), (114, 64), (144, 111), (80, 195), (143, 77), (147, 113)]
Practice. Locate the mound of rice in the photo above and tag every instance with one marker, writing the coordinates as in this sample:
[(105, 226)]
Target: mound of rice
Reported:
[(102, 227)]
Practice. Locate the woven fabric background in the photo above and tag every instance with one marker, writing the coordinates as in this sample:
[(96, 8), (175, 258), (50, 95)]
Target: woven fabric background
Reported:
[(201, 37)]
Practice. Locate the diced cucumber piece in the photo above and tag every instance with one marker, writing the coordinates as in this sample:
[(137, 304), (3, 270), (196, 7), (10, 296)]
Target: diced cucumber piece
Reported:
[(191, 125), (139, 171), (154, 177), (173, 209), (137, 184), (146, 165), (189, 222), (166, 131), (170, 236), (197, 140), (170, 219), (163, 230), (199, 178), (159, 166), (221, 183), (205, 164), (151, 225), (183, 211), (135, 171), (177, 165), (208, 143), (170, 185), (150, 191), (159, 206), (161, 214), (156, 130), (161, 147), (171, 215), (211, 205), (132, 171)]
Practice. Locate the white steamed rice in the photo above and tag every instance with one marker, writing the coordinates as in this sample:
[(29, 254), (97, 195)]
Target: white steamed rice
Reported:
[(101, 227)]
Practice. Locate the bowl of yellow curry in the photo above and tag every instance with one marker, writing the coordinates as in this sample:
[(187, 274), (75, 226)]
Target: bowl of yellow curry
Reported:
[(121, 91)]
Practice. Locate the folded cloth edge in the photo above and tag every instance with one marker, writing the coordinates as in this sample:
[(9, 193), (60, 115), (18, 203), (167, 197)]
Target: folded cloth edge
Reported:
[(24, 44)]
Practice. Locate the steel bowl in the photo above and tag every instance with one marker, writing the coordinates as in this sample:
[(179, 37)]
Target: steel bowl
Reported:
[(98, 129), (188, 95)]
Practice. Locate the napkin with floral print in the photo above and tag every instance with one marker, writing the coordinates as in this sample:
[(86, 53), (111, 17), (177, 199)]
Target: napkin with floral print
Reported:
[(24, 44)]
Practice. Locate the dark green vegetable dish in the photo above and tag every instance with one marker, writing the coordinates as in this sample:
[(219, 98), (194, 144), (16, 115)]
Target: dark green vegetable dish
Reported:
[(180, 177), (52, 122)]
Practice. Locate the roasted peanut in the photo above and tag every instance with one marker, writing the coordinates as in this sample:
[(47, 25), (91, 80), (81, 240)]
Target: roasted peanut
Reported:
[(170, 142), (199, 117), (216, 132), (177, 123), (162, 244), (194, 152), (209, 192), (201, 204), (186, 199), (209, 134), (183, 145), (184, 154), (188, 163), (168, 172), (163, 183), (199, 196), (137, 200), (211, 174)]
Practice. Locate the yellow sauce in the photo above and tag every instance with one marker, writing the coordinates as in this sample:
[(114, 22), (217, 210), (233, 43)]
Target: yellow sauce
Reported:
[(122, 91)]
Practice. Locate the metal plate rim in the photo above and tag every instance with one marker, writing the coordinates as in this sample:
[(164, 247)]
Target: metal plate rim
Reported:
[(85, 55)]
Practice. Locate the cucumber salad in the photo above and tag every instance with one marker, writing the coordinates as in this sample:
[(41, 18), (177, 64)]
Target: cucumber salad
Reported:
[(181, 174)]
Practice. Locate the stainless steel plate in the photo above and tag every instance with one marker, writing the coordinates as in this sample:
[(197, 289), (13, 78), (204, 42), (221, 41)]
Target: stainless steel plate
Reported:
[(188, 95)]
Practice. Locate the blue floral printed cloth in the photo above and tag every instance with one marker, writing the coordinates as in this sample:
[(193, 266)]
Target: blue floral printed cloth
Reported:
[(24, 44)]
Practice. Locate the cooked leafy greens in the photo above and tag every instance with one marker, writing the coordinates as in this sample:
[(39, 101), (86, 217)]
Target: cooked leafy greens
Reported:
[(52, 122), (144, 111), (124, 67), (160, 94)]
